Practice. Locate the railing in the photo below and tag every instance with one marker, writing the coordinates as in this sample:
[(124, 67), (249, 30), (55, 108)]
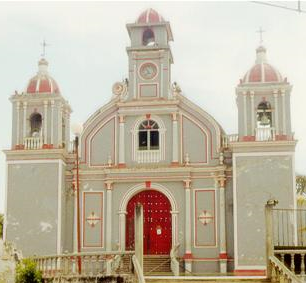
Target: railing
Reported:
[(280, 273), (85, 264), (148, 156), (33, 143), (289, 227), (138, 270), (265, 134), (226, 140), (175, 264)]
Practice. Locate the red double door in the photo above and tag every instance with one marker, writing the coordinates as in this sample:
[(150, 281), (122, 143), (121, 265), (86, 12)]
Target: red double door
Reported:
[(157, 235)]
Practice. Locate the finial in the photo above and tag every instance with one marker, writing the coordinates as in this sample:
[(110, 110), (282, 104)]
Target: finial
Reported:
[(44, 44), (260, 31)]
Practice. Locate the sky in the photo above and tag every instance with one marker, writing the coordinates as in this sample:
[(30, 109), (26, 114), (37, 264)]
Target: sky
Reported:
[(214, 46)]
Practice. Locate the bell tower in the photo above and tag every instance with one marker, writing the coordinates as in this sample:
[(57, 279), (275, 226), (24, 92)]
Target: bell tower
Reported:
[(150, 57), (263, 100), (263, 159)]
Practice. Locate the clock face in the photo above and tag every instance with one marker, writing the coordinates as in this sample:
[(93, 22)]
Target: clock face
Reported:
[(148, 71)]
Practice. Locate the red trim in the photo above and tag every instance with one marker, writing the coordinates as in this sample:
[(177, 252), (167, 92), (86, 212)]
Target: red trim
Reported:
[(121, 165), (188, 256), (156, 58), (148, 184), (248, 138), (223, 256), (148, 116), (214, 218), (249, 272), (175, 164), (282, 138)]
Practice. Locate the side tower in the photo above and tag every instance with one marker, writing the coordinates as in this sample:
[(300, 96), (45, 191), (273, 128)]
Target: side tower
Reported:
[(263, 159), (36, 166)]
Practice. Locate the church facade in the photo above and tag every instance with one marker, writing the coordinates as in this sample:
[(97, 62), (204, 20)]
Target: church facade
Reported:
[(203, 192)]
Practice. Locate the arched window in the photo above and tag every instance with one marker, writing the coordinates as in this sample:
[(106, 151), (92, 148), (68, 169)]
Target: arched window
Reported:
[(35, 122), (264, 115), (148, 135), (148, 37)]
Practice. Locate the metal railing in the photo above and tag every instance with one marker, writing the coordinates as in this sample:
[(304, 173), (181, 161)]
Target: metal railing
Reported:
[(289, 227), (85, 264)]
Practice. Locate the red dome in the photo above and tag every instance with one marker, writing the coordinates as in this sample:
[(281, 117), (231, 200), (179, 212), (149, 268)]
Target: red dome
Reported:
[(149, 16), (42, 82), (262, 72)]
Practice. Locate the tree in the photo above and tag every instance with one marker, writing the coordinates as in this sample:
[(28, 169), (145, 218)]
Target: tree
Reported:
[(301, 184)]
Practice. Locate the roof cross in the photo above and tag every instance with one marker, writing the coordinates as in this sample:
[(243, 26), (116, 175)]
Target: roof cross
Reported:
[(44, 45), (260, 31)]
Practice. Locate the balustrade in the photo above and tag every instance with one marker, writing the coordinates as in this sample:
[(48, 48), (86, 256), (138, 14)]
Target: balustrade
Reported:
[(33, 142), (265, 134), (92, 264)]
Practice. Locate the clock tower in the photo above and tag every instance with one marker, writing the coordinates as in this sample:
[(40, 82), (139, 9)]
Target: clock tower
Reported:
[(150, 57)]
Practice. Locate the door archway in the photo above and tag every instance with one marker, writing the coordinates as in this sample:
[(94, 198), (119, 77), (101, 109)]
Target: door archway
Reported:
[(157, 227)]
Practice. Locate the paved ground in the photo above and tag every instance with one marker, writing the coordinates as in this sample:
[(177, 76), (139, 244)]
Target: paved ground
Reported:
[(7, 266)]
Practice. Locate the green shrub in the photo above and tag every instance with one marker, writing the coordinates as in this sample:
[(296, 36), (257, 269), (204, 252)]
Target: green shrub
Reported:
[(26, 272)]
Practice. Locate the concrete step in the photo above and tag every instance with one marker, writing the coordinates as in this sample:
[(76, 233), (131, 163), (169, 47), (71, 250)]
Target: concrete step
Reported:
[(205, 279), (156, 264)]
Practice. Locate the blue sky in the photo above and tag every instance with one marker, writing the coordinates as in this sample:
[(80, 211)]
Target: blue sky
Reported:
[(214, 45)]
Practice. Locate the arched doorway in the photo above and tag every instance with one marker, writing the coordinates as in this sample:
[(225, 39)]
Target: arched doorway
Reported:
[(157, 228)]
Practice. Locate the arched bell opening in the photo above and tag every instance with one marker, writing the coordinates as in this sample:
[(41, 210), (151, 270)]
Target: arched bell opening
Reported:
[(264, 115), (35, 124)]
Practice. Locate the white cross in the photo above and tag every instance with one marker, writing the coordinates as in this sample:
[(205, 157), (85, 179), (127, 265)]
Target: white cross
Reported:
[(260, 31)]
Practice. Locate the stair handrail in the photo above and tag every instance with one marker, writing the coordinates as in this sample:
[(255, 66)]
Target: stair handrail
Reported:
[(138, 270), (280, 272), (175, 264)]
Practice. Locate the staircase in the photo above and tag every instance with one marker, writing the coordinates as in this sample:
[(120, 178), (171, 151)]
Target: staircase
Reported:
[(214, 279), (156, 264)]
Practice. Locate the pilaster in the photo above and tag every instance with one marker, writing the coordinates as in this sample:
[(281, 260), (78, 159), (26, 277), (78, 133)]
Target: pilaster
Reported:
[(188, 254), (52, 122), (245, 118), (109, 196), (59, 125), (223, 250), (45, 122), (174, 139), (252, 113), (24, 132), (283, 94), (17, 123), (121, 142), (275, 95)]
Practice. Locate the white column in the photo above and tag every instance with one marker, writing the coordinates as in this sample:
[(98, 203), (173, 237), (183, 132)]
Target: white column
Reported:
[(121, 142), (75, 214), (174, 215), (45, 122), (275, 94), (245, 120), (284, 111), (18, 123), (223, 251), (59, 125), (108, 233), (188, 255), (122, 219), (24, 132), (161, 79), (52, 122), (67, 129), (135, 86), (252, 113), (174, 139)]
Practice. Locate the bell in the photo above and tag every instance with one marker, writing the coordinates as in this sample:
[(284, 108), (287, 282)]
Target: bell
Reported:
[(264, 121)]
